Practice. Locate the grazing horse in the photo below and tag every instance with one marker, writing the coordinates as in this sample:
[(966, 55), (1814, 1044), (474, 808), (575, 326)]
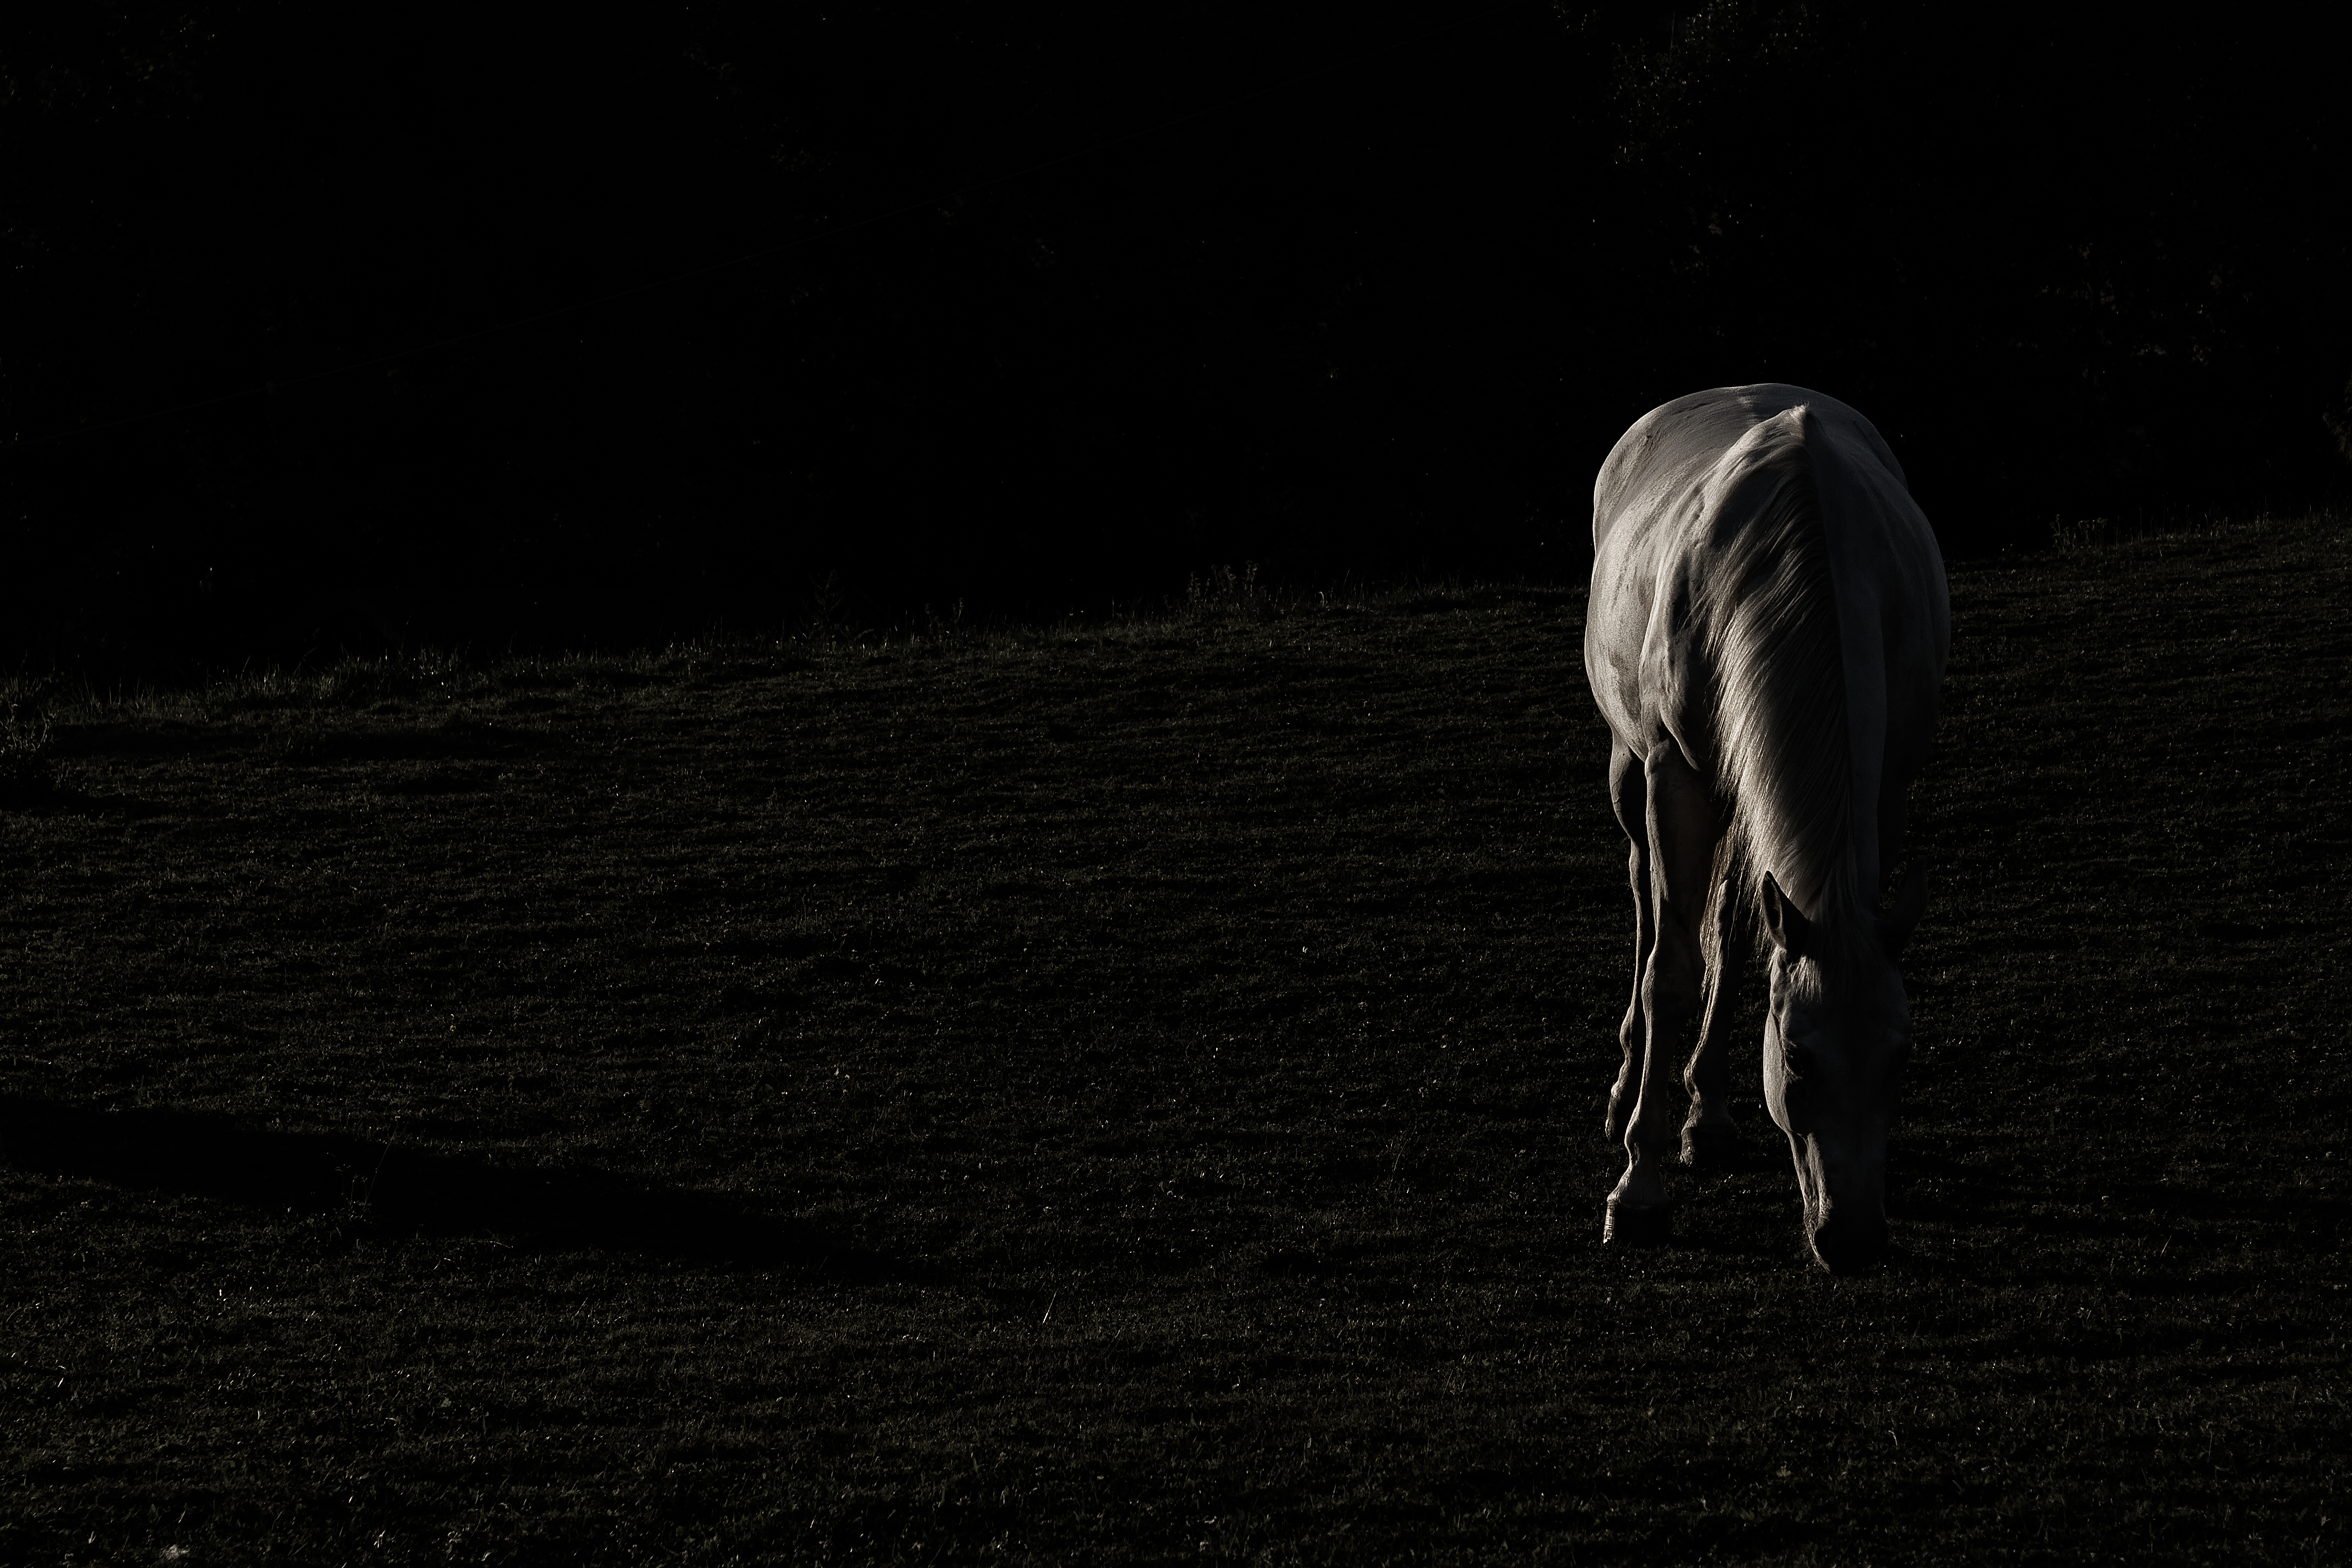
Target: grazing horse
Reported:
[(1766, 638)]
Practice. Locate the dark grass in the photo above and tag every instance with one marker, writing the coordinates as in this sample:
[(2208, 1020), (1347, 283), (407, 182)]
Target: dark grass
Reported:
[(1133, 1096)]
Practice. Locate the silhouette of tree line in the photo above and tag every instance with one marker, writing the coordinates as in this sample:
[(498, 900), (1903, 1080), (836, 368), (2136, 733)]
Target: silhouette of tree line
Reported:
[(1048, 307)]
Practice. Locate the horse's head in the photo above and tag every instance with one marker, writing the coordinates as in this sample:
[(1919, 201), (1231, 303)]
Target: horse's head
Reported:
[(1834, 1044)]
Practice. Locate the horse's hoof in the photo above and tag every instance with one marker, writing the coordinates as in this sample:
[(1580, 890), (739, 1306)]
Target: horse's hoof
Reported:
[(1637, 1226), (1711, 1146)]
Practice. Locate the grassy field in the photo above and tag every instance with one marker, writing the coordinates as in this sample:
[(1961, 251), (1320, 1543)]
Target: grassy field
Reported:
[(1134, 1095)]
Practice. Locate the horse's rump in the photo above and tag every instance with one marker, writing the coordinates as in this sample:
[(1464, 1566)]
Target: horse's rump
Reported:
[(1761, 545)]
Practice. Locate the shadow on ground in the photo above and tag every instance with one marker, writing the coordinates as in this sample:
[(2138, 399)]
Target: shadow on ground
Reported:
[(38, 799), (390, 1191)]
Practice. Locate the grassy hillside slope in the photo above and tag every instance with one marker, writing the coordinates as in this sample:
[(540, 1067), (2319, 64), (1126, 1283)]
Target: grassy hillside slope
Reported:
[(1133, 1096)]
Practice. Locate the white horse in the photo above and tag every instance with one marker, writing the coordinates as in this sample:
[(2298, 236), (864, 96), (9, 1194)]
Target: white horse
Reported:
[(1765, 637)]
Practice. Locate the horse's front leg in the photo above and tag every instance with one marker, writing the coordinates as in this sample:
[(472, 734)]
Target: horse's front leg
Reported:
[(1710, 1139), (1684, 823)]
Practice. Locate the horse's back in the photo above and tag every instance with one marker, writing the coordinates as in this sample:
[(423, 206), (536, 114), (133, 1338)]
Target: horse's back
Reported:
[(1672, 447)]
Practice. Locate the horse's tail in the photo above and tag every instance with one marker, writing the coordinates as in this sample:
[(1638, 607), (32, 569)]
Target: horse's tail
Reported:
[(1782, 758)]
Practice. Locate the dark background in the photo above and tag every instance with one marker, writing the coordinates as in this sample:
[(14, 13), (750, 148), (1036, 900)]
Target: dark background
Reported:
[(1363, 290)]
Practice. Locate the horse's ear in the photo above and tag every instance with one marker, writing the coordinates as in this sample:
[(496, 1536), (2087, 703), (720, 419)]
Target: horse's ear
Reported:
[(1784, 923), (1895, 927)]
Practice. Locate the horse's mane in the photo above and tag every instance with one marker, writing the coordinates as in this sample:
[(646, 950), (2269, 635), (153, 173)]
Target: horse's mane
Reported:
[(1781, 751)]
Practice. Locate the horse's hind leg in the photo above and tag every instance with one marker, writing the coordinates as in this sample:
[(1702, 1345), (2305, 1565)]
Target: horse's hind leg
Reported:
[(1710, 1140), (1684, 823), (1630, 796)]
